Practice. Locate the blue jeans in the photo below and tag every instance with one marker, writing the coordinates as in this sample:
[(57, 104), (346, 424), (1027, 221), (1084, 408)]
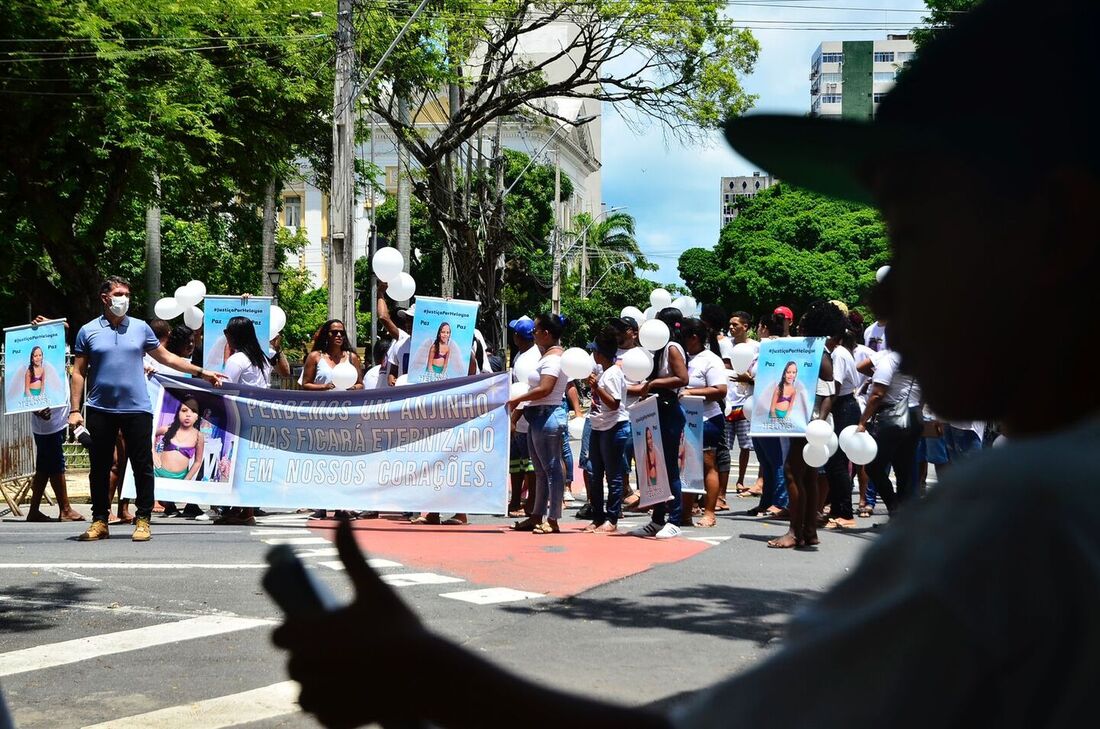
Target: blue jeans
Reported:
[(961, 443), (606, 459), (544, 438), (672, 427), (566, 447), (772, 454), (586, 448)]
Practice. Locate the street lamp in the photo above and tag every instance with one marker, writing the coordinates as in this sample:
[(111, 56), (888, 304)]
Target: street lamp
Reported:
[(275, 277)]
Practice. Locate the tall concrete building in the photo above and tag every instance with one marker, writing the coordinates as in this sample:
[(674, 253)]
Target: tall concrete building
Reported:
[(738, 188), (849, 78)]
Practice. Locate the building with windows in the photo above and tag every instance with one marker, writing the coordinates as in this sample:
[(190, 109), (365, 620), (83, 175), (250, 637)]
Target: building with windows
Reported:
[(849, 78), (739, 188)]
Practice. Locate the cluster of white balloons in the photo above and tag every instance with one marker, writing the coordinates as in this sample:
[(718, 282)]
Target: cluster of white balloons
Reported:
[(860, 447), (661, 299), (184, 302), (821, 443), (389, 266)]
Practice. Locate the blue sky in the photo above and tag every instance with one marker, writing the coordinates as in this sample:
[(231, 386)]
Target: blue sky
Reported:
[(671, 189)]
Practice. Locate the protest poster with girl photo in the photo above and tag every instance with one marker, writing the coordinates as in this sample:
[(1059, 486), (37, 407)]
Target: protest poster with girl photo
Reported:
[(786, 380)]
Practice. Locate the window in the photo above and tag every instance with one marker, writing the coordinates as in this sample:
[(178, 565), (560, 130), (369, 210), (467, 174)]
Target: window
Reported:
[(832, 78), (884, 77), (292, 211), (884, 56), (391, 178), (879, 97), (904, 56), (831, 99), (832, 58), (744, 184)]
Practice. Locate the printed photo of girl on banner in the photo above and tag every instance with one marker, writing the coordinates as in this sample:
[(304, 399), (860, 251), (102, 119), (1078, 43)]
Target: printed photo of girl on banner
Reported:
[(34, 367), (786, 380), (442, 339), (653, 487), (194, 440)]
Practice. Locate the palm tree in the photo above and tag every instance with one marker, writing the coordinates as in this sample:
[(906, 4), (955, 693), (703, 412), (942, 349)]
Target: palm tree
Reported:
[(607, 242)]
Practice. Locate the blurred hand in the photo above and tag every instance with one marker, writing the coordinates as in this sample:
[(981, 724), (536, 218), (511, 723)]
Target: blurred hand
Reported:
[(386, 653)]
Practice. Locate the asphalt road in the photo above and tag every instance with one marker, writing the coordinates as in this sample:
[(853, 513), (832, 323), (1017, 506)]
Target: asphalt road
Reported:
[(175, 632)]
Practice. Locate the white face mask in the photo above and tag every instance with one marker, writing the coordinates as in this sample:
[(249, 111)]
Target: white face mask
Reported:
[(120, 305)]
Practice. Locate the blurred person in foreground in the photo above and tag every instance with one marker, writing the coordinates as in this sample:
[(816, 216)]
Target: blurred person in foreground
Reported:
[(973, 608)]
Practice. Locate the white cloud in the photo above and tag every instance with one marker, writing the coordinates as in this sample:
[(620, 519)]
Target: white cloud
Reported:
[(672, 189)]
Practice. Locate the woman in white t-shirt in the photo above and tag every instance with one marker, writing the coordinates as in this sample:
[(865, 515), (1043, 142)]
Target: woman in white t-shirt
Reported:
[(610, 434), (706, 379), (247, 364), (546, 421)]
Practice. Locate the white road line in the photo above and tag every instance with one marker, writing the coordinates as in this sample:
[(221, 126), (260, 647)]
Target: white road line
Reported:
[(71, 651), (418, 578), (491, 595), (112, 608), (295, 541), (323, 552), (126, 566), (277, 532), (71, 575), (376, 563), (712, 541), (243, 708)]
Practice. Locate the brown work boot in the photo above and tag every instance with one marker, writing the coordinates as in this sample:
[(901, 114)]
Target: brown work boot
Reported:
[(96, 530), (141, 530)]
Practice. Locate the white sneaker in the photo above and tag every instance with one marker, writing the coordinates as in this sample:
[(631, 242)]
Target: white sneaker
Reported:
[(569, 498), (649, 530), (668, 531)]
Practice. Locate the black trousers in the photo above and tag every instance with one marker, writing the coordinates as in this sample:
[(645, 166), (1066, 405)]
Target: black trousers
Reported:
[(897, 447), (137, 434), (845, 412)]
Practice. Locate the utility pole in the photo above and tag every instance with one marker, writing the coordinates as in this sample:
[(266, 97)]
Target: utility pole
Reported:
[(342, 192), (584, 260), (404, 233), (555, 290), (448, 272), (152, 248), (373, 241), (268, 236)]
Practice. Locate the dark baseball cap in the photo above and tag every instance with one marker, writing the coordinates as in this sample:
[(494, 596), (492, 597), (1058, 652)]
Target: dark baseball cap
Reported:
[(1034, 115)]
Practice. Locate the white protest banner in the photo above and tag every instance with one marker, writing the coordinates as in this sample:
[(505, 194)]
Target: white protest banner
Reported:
[(439, 446)]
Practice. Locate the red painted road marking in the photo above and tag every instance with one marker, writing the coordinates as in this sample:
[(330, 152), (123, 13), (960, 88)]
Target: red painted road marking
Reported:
[(486, 554)]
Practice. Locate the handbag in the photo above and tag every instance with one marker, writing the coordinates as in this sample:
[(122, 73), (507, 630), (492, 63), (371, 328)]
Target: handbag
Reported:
[(898, 417)]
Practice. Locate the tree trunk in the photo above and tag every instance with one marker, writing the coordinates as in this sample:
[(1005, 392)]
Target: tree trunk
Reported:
[(152, 249), (269, 223)]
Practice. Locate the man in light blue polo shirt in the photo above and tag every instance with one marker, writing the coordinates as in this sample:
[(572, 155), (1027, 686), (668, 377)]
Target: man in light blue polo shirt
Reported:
[(109, 353)]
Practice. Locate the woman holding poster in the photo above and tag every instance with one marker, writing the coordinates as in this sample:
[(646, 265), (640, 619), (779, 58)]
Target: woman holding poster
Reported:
[(547, 421), (706, 379)]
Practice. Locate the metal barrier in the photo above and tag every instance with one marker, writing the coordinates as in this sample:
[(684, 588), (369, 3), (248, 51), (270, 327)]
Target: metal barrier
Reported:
[(16, 455)]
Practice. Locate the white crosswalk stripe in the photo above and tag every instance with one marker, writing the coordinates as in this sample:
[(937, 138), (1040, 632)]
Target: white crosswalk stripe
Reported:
[(418, 578), (491, 595), (81, 649), (248, 706)]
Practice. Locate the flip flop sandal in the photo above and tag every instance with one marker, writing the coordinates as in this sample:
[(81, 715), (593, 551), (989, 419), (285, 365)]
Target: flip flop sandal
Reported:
[(545, 529)]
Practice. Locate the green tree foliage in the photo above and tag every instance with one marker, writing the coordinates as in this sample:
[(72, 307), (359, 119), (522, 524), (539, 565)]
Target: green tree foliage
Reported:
[(620, 287), (942, 14), (789, 246), (606, 242), (215, 96)]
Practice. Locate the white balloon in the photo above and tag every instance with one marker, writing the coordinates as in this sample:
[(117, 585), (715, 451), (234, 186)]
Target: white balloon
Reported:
[(576, 363), (576, 428), (637, 364), (660, 299), (742, 356), (881, 273), (198, 286), (832, 444), (534, 379), (818, 432), (634, 313), (846, 436), (518, 389), (388, 264), (686, 305), (401, 381), (344, 375), (1000, 442), (167, 308), (278, 320), (653, 335), (186, 297), (862, 449), (814, 455), (192, 317), (650, 313), (402, 287)]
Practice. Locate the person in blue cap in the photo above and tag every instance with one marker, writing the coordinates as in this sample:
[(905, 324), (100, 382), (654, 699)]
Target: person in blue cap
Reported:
[(974, 607)]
